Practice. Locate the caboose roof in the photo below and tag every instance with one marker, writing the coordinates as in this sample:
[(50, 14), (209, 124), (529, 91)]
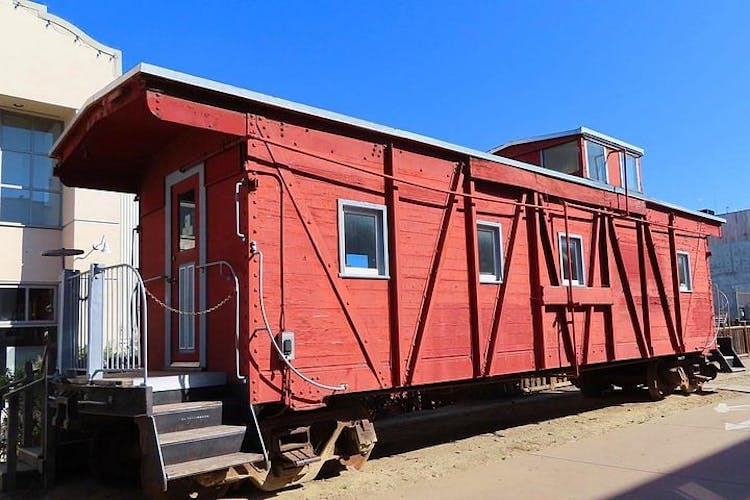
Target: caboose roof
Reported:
[(580, 131), (219, 94)]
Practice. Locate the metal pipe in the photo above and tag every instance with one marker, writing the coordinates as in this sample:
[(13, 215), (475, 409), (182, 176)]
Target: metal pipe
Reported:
[(267, 327)]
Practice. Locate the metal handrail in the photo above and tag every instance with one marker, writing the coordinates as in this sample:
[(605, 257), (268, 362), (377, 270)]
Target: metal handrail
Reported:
[(222, 263), (144, 312), (18, 390)]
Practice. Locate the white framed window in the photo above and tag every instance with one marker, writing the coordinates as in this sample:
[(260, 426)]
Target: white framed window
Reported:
[(575, 266), (630, 172), (490, 249), (29, 192), (683, 272), (563, 158), (596, 161), (363, 237)]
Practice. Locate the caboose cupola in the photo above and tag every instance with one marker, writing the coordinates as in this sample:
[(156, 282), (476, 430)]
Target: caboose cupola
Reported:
[(582, 152)]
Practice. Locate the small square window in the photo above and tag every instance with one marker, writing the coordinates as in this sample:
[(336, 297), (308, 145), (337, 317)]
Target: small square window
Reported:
[(363, 236), (683, 271), (490, 248), (571, 271)]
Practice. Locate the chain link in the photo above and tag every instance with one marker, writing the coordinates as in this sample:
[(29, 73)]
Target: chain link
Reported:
[(188, 313)]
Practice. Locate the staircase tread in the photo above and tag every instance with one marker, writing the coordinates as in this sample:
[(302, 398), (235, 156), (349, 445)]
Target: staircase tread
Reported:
[(200, 433), (192, 467), (190, 405)]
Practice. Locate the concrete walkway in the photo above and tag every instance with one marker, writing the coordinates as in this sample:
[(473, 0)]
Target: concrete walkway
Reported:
[(702, 454)]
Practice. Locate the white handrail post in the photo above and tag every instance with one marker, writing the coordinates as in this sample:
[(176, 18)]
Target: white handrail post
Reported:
[(95, 354)]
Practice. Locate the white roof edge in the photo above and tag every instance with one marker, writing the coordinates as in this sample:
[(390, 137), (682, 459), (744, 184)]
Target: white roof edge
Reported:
[(356, 122), (43, 13), (585, 131)]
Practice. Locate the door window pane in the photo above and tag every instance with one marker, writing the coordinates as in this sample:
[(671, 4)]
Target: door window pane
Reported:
[(187, 220), (12, 304), (597, 161)]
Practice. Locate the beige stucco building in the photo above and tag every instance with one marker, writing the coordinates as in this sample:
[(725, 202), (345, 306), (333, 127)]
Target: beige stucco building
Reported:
[(48, 68)]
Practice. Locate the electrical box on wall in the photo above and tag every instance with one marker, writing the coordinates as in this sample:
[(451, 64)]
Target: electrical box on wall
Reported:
[(286, 344)]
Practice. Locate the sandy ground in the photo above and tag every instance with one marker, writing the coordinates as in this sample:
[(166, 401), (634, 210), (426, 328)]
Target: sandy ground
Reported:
[(422, 447)]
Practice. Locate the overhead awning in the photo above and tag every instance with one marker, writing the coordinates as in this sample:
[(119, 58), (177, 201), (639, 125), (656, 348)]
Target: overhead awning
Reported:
[(112, 141)]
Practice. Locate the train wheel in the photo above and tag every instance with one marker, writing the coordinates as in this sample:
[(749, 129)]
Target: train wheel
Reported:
[(657, 386)]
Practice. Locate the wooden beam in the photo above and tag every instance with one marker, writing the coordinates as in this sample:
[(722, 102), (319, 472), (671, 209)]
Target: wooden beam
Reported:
[(472, 267), (392, 201), (675, 283), (535, 283), (642, 272), (624, 280), (324, 256), (432, 278), (502, 289), (660, 286)]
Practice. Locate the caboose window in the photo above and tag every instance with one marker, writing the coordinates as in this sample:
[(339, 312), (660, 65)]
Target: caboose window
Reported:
[(489, 238), (362, 239), (596, 161), (575, 265), (683, 270)]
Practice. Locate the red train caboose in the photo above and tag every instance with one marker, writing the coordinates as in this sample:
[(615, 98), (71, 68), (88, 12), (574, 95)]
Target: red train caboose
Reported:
[(371, 261)]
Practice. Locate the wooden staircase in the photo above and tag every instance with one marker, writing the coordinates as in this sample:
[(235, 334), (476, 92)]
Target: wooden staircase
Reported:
[(193, 439)]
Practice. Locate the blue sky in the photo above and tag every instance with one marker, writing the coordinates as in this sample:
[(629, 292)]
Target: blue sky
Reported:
[(671, 77)]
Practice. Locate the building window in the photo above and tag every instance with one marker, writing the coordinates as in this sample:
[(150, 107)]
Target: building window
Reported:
[(363, 234), (683, 271), (29, 193), (631, 173), (575, 265), (490, 243), (596, 160), (27, 305), (563, 158)]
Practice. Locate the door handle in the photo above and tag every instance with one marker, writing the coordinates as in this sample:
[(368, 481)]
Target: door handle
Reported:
[(237, 188)]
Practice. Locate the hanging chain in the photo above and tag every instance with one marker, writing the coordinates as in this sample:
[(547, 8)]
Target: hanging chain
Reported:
[(188, 313)]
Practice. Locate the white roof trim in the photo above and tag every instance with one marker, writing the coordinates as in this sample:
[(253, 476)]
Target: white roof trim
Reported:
[(585, 131), (223, 88)]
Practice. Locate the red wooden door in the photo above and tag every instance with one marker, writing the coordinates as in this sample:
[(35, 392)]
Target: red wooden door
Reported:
[(185, 251)]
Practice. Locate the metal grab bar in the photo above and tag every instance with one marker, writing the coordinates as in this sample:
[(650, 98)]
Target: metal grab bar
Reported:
[(237, 188)]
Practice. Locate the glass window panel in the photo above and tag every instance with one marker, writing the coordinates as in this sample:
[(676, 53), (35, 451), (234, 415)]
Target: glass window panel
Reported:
[(575, 266), (41, 304), (683, 270), (563, 158), (16, 132), (12, 304), (15, 205), (16, 168), (631, 173), (187, 220), (41, 174), (44, 135), (360, 234), (45, 208), (597, 161), (487, 252)]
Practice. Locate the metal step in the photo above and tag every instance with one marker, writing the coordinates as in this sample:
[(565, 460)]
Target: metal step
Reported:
[(204, 442), (193, 467), (183, 416)]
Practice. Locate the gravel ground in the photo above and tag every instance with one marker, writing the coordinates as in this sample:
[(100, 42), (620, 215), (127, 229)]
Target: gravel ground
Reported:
[(450, 441)]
